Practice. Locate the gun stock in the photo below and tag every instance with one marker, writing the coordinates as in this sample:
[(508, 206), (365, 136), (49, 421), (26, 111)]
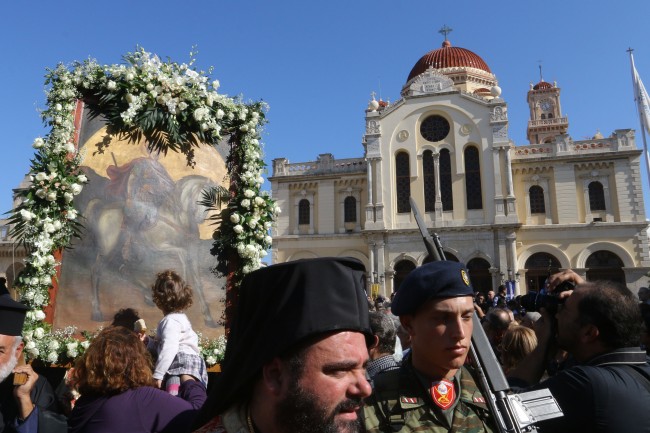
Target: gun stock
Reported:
[(513, 413)]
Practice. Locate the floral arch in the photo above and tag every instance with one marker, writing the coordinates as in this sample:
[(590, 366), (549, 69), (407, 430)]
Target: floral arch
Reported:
[(176, 108)]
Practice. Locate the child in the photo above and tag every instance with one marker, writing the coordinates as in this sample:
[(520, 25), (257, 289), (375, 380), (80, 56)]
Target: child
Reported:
[(176, 343)]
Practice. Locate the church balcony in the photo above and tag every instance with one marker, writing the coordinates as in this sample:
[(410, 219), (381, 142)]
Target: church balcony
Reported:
[(548, 122), (325, 164)]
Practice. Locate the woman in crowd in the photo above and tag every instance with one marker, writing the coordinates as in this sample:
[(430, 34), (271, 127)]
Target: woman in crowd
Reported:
[(118, 391), (518, 341)]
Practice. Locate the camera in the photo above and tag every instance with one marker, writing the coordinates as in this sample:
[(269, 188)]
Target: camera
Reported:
[(534, 301)]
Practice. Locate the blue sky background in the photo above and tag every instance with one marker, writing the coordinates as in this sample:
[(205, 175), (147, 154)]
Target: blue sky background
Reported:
[(316, 63)]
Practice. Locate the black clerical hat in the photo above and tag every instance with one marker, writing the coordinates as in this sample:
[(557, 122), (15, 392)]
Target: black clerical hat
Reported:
[(281, 306), (12, 316)]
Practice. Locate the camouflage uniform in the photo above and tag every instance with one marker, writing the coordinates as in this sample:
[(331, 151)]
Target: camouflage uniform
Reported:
[(400, 403)]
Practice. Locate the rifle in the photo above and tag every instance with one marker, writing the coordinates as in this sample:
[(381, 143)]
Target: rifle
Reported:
[(513, 413)]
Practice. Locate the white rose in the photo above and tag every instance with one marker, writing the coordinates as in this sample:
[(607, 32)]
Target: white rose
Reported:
[(82, 178), (39, 333), (111, 85), (268, 240), (69, 147), (49, 228), (182, 106), (52, 357), (216, 84), (72, 353), (243, 128), (39, 315), (75, 188), (68, 197), (41, 176), (85, 344), (40, 193), (25, 215), (33, 281), (268, 225), (57, 225), (35, 352), (277, 210), (50, 196), (72, 346), (29, 295), (58, 107), (129, 98), (30, 345), (249, 193), (54, 345), (38, 143), (234, 218), (238, 229), (219, 114), (71, 215), (210, 360), (263, 253), (129, 76), (246, 203), (39, 299), (259, 201), (46, 280)]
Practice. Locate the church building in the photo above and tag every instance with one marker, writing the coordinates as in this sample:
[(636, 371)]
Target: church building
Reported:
[(511, 213)]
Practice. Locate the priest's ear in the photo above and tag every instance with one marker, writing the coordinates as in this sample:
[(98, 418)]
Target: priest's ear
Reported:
[(275, 376)]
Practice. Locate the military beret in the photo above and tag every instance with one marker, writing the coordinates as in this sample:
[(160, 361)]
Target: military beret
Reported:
[(440, 279)]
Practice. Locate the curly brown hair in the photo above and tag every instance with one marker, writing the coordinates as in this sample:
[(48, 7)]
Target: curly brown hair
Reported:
[(115, 361), (170, 293)]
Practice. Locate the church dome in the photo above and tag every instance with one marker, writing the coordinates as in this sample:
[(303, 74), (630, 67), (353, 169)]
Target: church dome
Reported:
[(448, 57), (542, 85)]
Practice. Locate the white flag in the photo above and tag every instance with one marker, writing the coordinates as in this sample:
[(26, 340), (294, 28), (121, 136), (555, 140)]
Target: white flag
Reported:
[(642, 98)]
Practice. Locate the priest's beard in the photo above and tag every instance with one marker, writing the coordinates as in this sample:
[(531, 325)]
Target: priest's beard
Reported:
[(6, 369), (302, 412)]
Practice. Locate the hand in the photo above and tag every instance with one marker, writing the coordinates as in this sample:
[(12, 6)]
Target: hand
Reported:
[(22, 393), (566, 275), (159, 383)]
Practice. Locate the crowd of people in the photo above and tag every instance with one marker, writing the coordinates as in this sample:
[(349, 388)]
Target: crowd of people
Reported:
[(309, 351)]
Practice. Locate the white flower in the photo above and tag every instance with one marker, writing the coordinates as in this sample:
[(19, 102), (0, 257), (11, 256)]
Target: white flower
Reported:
[(53, 345), (246, 203), (249, 193), (30, 345), (219, 114), (277, 210), (49, 228), (210, 360), (71, 214), (216, 84), (34, 352), (50, 196), (58, 107), (76, 188), (82, 178), (40, 176), (25, 215), (182, 105), (243, 128), (29, 295), (268, 240), (38, 143), (69, 147), (111, 85), (52, 357), (129, 76), (46, 280), (259, 201), (39, 315), (39, 299), (40, 193), (238, 229), (85, 344), (72, 353), (234, 218), (68, 197), (72, 346), (39, 333), (33, 281)]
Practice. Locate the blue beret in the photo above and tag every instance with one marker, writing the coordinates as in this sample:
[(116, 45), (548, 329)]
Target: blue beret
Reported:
[(441, 279)]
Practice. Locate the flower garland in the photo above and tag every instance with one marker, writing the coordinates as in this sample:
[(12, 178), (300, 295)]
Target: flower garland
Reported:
[(174, 107)]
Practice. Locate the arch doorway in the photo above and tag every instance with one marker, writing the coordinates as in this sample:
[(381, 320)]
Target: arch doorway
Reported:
[(402, 269), (479, 274), (605, 265), (538, 267)]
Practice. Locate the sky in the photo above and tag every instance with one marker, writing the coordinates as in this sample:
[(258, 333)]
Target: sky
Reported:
[(317, 63)]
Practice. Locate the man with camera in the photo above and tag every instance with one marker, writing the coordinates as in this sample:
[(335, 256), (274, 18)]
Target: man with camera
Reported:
[(608, 387)]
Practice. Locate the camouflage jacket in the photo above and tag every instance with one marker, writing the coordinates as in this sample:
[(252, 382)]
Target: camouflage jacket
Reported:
[(400, 403)]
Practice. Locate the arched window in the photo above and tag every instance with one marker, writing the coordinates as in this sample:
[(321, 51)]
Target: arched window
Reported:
[(536, 195), (403, 180), (473, 178), (303, 212), (550, 115), (446, 194), (350, 209), (538, 267), (596, 196), (479, 274), (429, 182), (605, 265), (543, 116)]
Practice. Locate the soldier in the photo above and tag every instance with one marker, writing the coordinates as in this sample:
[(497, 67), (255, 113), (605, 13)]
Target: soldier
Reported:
[(432, 391)]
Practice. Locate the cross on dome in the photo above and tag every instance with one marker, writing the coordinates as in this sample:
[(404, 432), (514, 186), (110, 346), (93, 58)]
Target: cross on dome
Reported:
[(445, 30)]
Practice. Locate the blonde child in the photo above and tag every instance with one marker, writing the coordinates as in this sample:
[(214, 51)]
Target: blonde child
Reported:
[(176, 342)]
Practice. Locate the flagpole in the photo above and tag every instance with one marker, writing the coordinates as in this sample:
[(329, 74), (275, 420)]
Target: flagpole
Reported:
[(635, 85)]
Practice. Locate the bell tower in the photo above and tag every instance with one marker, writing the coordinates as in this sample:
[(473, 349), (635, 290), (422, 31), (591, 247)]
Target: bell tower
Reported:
[(546, 120)]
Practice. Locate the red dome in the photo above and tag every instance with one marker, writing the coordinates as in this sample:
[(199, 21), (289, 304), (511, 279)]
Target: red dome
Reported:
[(542, 85), (448, 57)]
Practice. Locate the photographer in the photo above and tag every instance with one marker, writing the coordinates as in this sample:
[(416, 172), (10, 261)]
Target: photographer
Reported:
[(608, 388)]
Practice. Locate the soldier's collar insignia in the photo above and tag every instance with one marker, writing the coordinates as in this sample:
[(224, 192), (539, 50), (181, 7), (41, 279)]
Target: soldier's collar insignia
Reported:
[(443, 394)]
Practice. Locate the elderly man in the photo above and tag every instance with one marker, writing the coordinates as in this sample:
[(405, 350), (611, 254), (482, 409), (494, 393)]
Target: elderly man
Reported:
[(26, 399), (297, 351), (608, 390), (383, 345), (432, 391)]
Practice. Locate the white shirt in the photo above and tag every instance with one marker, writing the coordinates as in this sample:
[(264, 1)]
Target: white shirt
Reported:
[(174, 334)]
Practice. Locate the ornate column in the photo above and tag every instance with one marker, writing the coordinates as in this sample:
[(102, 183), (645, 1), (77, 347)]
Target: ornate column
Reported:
[(436, 174), (381, 267), (511, 242)]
